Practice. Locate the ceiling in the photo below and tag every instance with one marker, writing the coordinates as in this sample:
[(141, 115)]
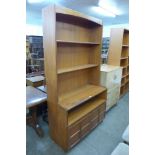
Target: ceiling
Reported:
[(34, 10)]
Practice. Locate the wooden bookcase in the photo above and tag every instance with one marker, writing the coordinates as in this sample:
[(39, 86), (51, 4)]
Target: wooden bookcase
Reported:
[(119, 55), (76, 101)]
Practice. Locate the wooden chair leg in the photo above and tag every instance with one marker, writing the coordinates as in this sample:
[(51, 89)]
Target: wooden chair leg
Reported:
[(33, 122)]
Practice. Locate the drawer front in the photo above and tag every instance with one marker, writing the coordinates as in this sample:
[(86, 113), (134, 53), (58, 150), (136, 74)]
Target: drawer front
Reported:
[(85, 130), (85, 120), (101, 116), (74, 139), (73, 129), (94, 122), (80, 129), (102, 108), (94, 114)]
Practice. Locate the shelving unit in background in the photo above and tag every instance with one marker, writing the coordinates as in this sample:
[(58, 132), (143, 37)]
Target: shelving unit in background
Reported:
[(35, 58), (76, 101), (119, 55), (104, 51)]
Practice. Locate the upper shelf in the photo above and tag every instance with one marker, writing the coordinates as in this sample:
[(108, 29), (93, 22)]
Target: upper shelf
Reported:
[(77, 42), (72, 99), (65, 70)]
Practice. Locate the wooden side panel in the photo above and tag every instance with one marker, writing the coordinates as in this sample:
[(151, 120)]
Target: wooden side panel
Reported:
[(50, 67), (115, 47)]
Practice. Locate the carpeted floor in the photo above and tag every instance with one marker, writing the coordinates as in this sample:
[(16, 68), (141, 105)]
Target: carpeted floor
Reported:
[(101, 141)]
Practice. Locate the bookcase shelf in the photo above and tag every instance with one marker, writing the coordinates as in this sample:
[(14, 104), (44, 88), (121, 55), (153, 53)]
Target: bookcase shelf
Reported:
[(75, 68), (76, 42), (79, 112), (72, 44), (79, 96), (119, 54)]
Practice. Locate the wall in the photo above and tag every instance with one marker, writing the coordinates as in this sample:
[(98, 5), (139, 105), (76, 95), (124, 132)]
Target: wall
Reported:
[(34, 30), (106, 29)]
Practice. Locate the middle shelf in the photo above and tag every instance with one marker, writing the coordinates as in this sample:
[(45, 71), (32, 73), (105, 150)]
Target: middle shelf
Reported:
[(74, 68), (74, 98)]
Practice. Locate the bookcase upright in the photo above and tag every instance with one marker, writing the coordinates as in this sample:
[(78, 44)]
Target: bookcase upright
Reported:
[(76, 101)]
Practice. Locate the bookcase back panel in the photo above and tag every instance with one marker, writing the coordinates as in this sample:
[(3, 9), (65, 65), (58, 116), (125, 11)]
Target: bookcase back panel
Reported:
[(70, 30), (69, 55), (125, 52), (74, 80), (126, 38)]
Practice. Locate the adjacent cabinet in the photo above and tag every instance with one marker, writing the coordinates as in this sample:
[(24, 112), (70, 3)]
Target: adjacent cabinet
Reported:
[(119, 55), (76, 101)]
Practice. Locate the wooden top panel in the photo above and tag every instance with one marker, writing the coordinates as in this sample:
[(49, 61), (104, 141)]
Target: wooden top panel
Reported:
[(70, 12), (70, 100), (109, 68), (83, 110), (34, 97)]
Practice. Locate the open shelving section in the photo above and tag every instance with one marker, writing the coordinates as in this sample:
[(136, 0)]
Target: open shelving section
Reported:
[(76, 101), (119, 55)]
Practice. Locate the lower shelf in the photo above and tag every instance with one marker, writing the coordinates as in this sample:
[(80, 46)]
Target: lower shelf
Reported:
[(84, 109)]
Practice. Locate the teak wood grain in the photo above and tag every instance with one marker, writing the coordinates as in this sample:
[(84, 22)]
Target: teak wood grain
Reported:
[(119, 54), (72, 44)]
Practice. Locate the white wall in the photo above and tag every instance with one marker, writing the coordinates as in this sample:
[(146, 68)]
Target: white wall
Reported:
[(34, 30), (106, 29)]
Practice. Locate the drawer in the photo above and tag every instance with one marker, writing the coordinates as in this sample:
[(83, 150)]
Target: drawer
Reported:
[(85, 120), (101, 116), (102, 108), (85, 130), (74, 139), (94, 122), (94, 114), (73, 129)]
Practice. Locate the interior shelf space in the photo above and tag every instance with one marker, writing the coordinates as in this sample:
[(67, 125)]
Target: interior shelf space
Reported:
[(75, 68), (124, 71), (126, 37), (125, 52), (124, 62), (74, 98), (77, 30), (123, 80), (79, 112)]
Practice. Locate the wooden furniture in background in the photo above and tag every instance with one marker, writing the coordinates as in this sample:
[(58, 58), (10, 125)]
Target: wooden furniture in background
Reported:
[(76, 101), (111, 79), (35, 81), (34, 98), (119, 55)]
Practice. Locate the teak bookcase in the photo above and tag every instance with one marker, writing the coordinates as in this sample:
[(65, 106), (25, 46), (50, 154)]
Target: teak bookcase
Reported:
[(119, 55), (76, 101)]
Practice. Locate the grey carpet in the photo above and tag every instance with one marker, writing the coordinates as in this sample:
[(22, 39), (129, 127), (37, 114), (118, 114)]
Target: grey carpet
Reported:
[(101, 141)]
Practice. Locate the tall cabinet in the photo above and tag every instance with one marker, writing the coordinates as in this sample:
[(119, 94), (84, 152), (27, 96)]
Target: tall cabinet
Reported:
[(76, 101), (119, 55)]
